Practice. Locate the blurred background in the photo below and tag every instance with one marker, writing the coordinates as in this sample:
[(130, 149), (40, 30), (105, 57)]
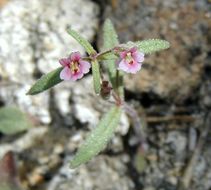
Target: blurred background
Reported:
[(172, 95)]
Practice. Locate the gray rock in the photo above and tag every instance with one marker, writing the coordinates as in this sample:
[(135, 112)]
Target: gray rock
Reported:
[(177, 141), (102, 173), (84, 104), (89, 107), (24, 142), (33, 38)]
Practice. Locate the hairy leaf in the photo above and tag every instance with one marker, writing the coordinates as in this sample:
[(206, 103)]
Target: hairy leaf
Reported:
[(12, 120), (110, 40), (152, 45), (149, 46), (96, 76), (81, 40), (98, 138), (46, 81)]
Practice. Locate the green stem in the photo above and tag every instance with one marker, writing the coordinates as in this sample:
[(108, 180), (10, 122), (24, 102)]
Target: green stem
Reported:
[(96, 76), (117, 82), (99, 56)]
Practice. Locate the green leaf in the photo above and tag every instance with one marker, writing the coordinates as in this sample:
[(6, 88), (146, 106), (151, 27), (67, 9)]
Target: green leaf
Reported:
[(148, 46), (110, 40), (96, 76), (140, 161), (46, 81), (12, 121), (81, 40), (152, 45), (98, 138)]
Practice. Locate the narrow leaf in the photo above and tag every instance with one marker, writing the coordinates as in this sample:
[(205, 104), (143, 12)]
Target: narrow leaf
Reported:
[(140, 162), (149, 46), (98, 138), (81, 40), (152, 45), (12, 121), (110, 40), (46, 81), (96, 76)]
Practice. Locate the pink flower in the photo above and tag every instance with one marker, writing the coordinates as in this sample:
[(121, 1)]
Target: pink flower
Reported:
[(74, 67), (130, 60)]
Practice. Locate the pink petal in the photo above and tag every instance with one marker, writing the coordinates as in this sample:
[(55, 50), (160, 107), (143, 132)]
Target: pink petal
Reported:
[(133, 50), (134, 68), (65, 74), (84, 66), (75, 56), (123, 65), (77, 76), (123, 54), (129, 68), (138, 56), (64, 62)]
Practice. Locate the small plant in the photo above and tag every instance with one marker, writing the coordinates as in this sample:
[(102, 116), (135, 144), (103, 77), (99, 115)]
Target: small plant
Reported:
[(119, 59)]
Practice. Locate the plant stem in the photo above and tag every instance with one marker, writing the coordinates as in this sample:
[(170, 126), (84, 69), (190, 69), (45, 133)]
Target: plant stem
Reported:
[(117, 83)]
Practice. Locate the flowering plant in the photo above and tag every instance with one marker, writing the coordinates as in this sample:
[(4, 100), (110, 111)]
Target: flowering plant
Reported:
[(119, 59)]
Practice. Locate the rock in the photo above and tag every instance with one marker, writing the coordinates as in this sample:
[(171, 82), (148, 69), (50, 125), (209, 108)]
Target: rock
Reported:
[(176, 142), (205, 92), (102, 173), (174, 73), (200, 168), (24, 142), (33, 38), (84, 104), (56, 41), (165, 159), (15, 94), (149, 188)]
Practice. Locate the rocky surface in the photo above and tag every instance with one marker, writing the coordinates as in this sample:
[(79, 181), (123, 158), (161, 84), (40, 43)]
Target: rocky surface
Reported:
[(112, 175), (171, 94), (175, 73), (33, 38)]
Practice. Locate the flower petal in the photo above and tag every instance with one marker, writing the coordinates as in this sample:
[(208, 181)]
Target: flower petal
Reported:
[(75, 56), (129, 68), (64, 62), (134, 68), (138, 56), (133, 49), (84, 66), (77, 76), (123, 54), (65, 74), (123, 65)]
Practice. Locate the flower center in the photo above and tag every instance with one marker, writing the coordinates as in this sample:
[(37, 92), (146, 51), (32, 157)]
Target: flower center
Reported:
[(129, 58), (74, 67)]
